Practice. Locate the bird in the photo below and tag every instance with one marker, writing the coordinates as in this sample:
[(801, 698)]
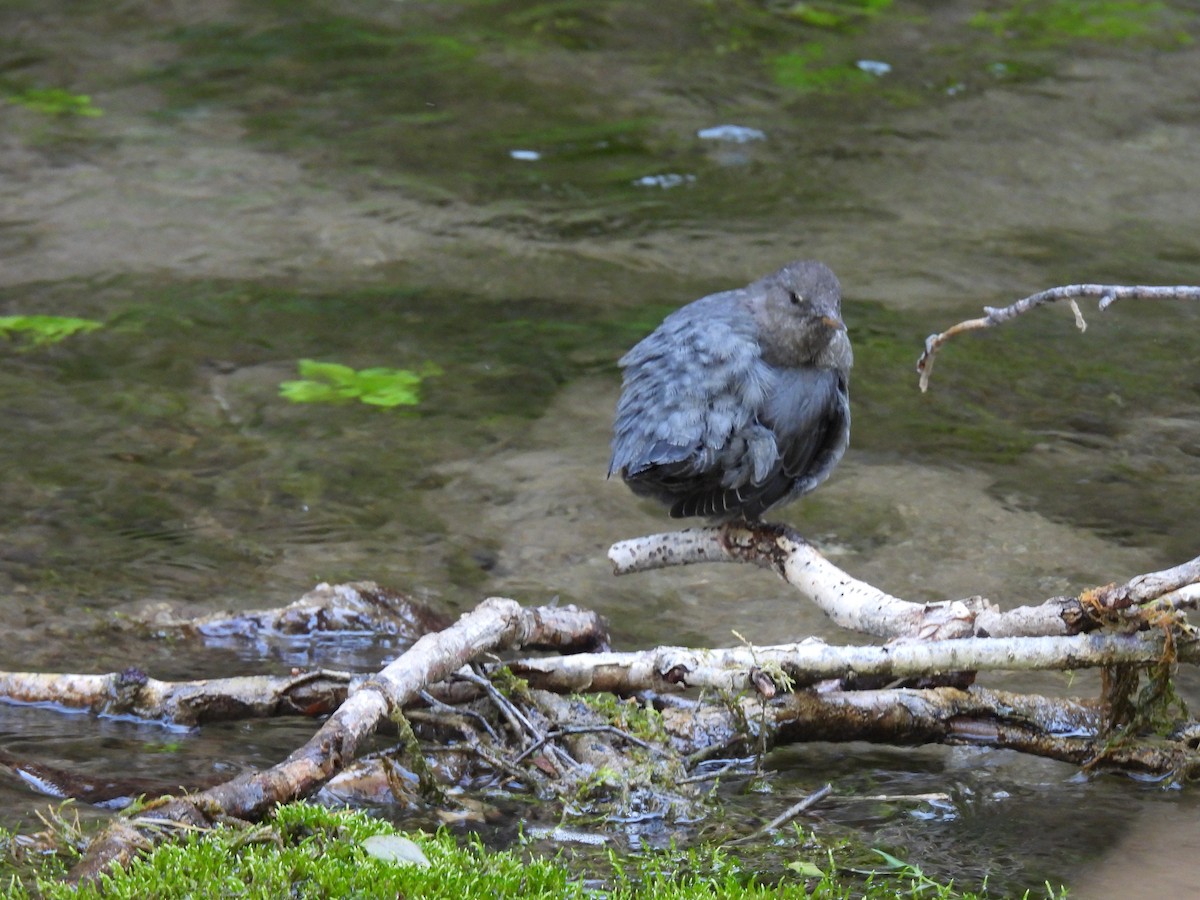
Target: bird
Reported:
[(739, 401)]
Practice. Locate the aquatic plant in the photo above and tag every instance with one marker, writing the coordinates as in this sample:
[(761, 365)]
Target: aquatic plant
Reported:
[(54, 102), (322, 382), (39, 331)]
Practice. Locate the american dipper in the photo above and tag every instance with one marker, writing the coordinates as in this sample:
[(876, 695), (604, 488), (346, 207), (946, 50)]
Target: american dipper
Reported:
[(739, 401)]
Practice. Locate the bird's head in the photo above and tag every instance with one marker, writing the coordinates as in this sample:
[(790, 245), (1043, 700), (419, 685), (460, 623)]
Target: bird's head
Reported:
[(799, 314)]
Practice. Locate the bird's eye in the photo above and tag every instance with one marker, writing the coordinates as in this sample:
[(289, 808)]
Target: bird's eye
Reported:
[(795, 298)]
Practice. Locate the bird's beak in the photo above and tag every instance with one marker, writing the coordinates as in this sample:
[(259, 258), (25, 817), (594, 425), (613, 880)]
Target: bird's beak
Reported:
[(832, 323)]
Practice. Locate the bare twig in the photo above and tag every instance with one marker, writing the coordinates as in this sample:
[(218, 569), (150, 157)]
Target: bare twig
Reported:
[(436, 704), (787, 815), (738, 766), (519, 722), (1107, 294)]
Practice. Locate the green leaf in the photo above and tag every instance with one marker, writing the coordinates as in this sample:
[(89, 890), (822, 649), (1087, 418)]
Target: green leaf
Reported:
[(395, 849), (55, 102), (38, 331), (806, 869), (335, 383), (334, 372), (308, 392)]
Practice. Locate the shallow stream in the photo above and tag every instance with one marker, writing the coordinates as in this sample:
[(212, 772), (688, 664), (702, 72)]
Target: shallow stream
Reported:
[(517, 192)]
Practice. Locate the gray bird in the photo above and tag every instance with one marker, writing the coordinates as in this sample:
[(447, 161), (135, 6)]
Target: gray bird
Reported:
[(739, 401)]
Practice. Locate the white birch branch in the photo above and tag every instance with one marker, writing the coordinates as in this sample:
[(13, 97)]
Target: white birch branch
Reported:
[(737, 668), (1107, 294), (850, 603), (861, 607), (181, 703)]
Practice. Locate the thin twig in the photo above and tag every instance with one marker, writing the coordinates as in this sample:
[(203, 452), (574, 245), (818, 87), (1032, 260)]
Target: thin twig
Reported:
[(1107, 294), (589, 729), (787, 815), (740, 766), (500, 765), (435, 703), (517, 719)]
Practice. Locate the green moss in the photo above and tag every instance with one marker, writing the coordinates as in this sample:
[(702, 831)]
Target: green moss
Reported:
[(807, 69), (1050, 22), (839, 14), (306, 851), (627, 714), (436, 98)]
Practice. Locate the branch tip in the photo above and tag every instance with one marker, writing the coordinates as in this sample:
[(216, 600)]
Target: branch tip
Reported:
[(1080, 323), (1106, 294)]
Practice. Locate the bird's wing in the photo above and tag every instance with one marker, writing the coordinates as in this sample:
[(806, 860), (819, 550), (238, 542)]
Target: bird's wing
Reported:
[(809, 412), (696, 380)]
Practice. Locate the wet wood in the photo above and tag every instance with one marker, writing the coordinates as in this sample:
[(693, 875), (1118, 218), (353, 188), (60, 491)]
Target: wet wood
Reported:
[(360, 607), (548, 746), (187, 703), (495, 623), (1055, 728)]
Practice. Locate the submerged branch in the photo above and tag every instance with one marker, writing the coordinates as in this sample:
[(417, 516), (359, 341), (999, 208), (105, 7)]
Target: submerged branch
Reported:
[(1051, 727), (184, 703)]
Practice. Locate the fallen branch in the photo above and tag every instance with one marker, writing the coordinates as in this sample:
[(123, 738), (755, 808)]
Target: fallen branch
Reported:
[(809, 662), (1063, 729), (850, 603), (1051, 727), (1107, 294), (360, 607), (183, 703), (495, 623)]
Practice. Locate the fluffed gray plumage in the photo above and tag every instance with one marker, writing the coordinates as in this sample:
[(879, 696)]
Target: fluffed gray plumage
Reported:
[(739, 401)]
